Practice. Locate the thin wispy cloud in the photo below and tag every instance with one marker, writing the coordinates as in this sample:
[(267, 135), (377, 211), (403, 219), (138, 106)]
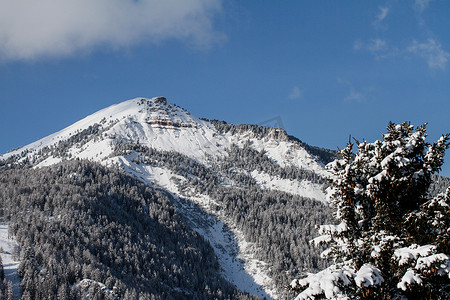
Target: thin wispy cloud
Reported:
[(382, 14), (432, 52), (421, 5), (32, 29), (377, 47), (296, 93), (353, 94)]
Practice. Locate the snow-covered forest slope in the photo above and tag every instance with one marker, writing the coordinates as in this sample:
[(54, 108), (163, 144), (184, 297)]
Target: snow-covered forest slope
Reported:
[(237, 205)]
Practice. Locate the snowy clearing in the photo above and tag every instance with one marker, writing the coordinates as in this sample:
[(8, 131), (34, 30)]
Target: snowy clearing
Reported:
[(10, 265), (302, 188)]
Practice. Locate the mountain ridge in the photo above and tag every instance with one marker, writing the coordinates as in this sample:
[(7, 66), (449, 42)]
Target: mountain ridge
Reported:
[(170, 119)]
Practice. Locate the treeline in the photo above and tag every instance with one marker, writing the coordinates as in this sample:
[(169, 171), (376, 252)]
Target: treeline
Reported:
[(249, 159), (59, 149), (78, 220), (234, 129)]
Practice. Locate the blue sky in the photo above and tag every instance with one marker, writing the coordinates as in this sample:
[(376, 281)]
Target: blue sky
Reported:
[(327, 69)]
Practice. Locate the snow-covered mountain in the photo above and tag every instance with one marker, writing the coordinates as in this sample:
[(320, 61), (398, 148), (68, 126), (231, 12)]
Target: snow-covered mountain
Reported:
[(163, 126), (210, 169), (151, 122)]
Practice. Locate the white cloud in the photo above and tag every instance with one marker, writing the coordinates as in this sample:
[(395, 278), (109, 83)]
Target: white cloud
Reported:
[(355, 96), (31, 29), (432, 52), (382, 14), (377, 45), (296, 93)]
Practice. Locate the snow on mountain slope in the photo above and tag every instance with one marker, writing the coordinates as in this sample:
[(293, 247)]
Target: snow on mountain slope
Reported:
[(303, 188), (280, 150), (286, 153), (151, 122)]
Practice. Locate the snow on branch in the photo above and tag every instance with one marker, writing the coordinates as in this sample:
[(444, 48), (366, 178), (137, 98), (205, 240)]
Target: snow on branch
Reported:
[(333, 229), (368, 275), (407, 254), (331, 283), (410, 278)]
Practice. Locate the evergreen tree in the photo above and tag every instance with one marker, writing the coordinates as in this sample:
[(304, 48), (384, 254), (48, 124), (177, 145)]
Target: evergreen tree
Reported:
[(10, 293), (392, 242), (2, 271)]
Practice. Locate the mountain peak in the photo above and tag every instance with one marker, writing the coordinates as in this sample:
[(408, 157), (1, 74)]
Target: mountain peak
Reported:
[(160, 100), (149, 101)]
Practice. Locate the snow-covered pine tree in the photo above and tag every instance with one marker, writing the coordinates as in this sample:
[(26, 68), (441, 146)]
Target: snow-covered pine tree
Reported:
[(391, 241)]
